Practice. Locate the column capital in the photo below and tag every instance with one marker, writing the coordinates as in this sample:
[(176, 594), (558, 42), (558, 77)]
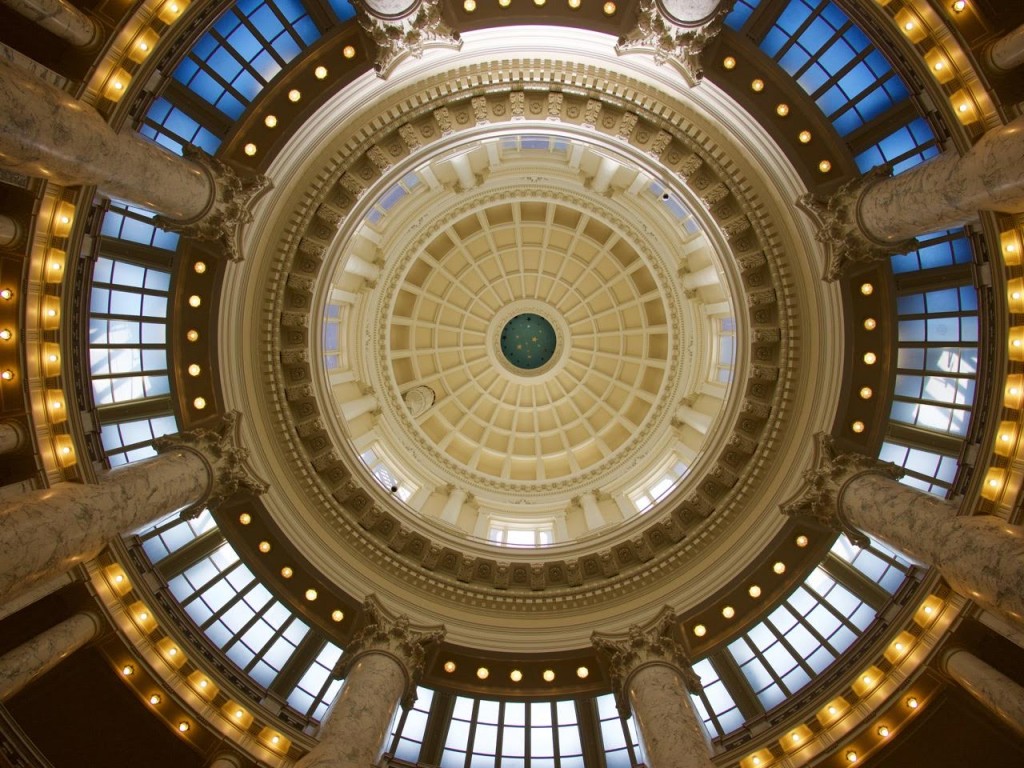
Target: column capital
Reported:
[(827, 481), (670, 39), (395, 637), (219, 448), (646, 645), (841, 230), (396, 37), (231, 201)]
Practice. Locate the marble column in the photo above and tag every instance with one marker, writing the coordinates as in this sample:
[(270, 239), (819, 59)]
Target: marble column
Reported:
[(381, 667), (357, 265), (1006, 53), (45, 651), (59, 17), (35, 594), (225, 760), (997, 624), (403, 28), (45, 533), (981, 556), (675, 31), (353, 409), (10, 231), (12, 437), (652, 677), (592, 512), (46, 133), (874, 216), (993, 690), (699, 421)]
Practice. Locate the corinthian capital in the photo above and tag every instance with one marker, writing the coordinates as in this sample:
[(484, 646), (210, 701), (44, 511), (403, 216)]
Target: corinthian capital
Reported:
[(220, 450), (832, 471), (408, 33), (392, 636), (840, 228), (231, 202), (644, 645), (675, 31)]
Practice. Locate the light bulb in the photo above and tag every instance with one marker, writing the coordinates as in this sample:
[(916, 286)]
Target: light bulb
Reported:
[(582, 672), (348, 51), (754, 591), (311, 595), (515, 675), (270, 121), (249, 149), (264, 547), (728, 611), (782, 110), (779, 567), (154, 699), (128, 670), (183, 726), (824, 166), (804, 137), (866, 393), (194, 370), (245, 518), (449, 667), (337, 616), (700, 630), (548, 675), (194, 301), (483, 673), (294, 95), (729, 62), (320, 72), (609, 9), (199, 403), (757, 85), (287, 572), (192, 335)]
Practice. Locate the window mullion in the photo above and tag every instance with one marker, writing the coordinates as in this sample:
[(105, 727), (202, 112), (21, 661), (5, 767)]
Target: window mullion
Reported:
[(736, 684), (200, 547), (198, 591)]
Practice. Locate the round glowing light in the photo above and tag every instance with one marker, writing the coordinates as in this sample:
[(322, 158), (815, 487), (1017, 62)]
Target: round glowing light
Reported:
[(194, 370), (908, 26), (469, 5), (204, 683), (700, 630), (912, 702), (729, 62), (1005, 438), (155, 699), (449, 667), (294, 94), (199, 267), (851, 756), (264, 547), (574, 4), (287, 572), (832, 710), (539, 3), (143, 47), (993, 483), (1014, 391), (870, 323), (1016, 342), (928, 609), (962, 107), (515, 675), (824, 166), (239, 713), (249, 149), (192, 334), (65, 450), (582, 673), (118, 579), (52, 358), (348, 51), (504, 3), (870, 358), (143, 616), (802, 541), (337, 616), (6, 334), (1011, 248), (549, 675), (883, 731), (245, 518), (779, 567), (183, 726), (959, 5), (174, 8), (757, 761), (1015, 295), (6, 294), (757, 85), (275, 739), (483, 673), (199, 403), (782, 110), (270, 121), (857, 426), (311, 595), (898, 646), (51, 313), (939, 66), (867, 289), (172, 652), (795, 737), (804, 137), (728, 611), (320, 72), (609, 9), (7, 374), (754, 591), (194, 301), (127, 670), (866, 393)]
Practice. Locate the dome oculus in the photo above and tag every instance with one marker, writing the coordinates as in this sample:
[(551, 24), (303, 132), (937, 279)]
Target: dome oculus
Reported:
[(528, 341)]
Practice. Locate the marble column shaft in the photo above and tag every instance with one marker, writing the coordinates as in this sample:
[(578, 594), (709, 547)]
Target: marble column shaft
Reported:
[(389, 9), (356, 727), (59, 17), (453, 506), (670, 735), (702, 277), (699, 421), (353, 409), (949, 190), (591, 512), (43, 652), (999, 625), (689, 13), (225, 760), (11, 437), (32, 596), (993, 690), (46, 133), (10, 231), (1007, 53), (47, 532), (981, 556)]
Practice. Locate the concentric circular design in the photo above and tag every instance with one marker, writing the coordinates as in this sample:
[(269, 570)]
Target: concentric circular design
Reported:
[(586, 339), (528, 341)]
